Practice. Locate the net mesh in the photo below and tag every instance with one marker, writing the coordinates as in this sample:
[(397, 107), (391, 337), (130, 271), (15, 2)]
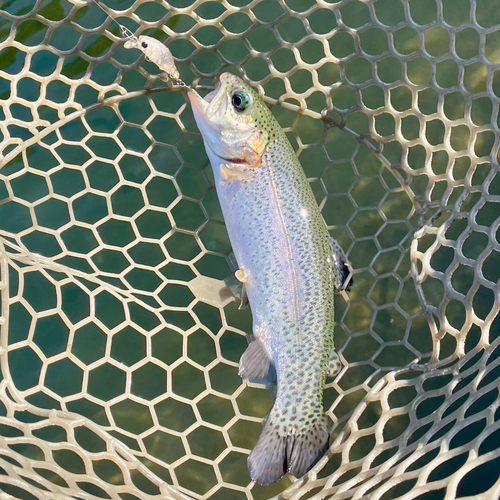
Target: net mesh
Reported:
[(119, 340)]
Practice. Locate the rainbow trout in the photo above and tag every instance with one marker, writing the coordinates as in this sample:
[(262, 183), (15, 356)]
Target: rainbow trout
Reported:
[(288, 264)]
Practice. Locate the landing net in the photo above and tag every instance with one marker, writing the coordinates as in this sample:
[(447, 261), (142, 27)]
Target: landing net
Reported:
[(119, 340)]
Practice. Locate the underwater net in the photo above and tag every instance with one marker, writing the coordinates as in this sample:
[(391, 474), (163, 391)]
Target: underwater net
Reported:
[(119, 338)]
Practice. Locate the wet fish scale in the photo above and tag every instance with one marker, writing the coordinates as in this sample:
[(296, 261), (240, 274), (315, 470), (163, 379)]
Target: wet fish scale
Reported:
[(292, 292)]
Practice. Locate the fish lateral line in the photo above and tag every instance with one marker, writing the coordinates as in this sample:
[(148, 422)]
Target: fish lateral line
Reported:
[(290, 260)]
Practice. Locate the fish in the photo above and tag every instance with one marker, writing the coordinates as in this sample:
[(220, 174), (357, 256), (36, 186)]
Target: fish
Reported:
[(288, 265)]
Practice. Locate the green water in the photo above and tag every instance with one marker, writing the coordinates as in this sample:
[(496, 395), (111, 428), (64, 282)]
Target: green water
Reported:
[(92, 216)]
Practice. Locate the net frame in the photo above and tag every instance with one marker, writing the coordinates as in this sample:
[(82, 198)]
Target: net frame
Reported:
[(458, 377)]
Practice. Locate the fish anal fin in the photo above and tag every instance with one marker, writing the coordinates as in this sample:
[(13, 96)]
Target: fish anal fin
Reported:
[(255, 363), (342, 274)]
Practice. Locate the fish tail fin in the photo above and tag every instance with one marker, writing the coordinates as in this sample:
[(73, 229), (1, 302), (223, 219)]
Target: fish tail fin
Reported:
[(276, 454), (307, 448), (267, 462)]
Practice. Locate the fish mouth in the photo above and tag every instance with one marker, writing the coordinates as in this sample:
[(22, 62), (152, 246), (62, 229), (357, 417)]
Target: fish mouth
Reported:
[(201, 103), (210, 96), (210, 115), (215, 102)]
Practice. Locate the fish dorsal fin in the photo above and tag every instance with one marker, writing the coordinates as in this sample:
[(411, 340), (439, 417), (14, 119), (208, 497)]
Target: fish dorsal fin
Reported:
[(255, 363), (342, 274)]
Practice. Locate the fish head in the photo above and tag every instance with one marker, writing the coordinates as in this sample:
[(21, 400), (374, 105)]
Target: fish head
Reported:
[(234, 121)]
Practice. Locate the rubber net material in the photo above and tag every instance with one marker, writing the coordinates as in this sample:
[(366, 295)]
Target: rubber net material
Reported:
[(119, 340)]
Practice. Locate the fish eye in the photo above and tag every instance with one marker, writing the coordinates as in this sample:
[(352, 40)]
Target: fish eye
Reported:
[(144, 44), (241, 100)]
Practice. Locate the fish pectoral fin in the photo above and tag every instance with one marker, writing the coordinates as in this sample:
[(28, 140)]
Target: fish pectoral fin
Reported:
[(255, 363), (233, 172), (342, 273), (335, 365)]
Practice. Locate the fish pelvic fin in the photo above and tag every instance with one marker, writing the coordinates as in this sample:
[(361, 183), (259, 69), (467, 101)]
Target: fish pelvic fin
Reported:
[(278, 452)]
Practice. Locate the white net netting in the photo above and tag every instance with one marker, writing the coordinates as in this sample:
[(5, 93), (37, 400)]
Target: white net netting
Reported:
[(119, 340)]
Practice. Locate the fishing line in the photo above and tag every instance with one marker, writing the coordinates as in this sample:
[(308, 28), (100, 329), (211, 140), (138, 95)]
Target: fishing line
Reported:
[(123, 29)]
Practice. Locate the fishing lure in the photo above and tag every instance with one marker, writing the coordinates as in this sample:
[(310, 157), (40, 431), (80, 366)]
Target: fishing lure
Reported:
[(154, 50)]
